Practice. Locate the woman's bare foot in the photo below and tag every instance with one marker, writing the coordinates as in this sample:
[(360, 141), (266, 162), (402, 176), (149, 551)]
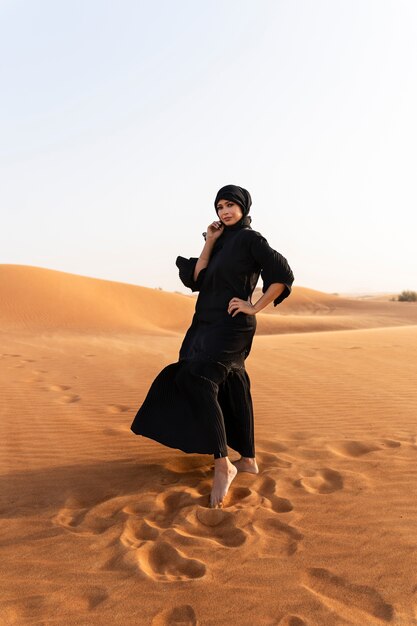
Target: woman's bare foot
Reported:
[(224, 473), (246, 464)]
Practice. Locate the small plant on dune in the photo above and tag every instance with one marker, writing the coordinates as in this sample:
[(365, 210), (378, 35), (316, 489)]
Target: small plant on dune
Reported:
[(407, 296)]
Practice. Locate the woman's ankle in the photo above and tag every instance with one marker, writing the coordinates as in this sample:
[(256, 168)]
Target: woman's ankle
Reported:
[(222, 459)]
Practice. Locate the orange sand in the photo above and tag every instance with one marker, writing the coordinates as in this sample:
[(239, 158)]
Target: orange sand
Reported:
[(99, 526)]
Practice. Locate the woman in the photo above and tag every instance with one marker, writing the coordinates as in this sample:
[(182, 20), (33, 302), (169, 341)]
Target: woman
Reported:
[(202, 403)]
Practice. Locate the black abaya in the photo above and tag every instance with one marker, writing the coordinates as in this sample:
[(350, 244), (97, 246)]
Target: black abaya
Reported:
[(202, 403)]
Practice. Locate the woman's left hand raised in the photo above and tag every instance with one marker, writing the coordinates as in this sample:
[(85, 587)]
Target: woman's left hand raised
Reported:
[(236, 305)]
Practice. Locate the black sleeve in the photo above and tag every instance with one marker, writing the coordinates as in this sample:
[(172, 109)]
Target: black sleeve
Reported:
[(274, 267), (186, 268)]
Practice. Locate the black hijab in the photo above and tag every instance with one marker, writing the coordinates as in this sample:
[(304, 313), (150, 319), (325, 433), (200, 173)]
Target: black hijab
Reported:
[(243, 198), (236, 194)]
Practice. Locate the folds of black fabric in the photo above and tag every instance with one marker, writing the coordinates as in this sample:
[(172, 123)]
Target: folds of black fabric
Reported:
[(199, 406), (203, 402), (186, 270)]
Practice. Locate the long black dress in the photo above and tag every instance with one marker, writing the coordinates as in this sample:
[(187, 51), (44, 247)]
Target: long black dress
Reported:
[(202, 403)]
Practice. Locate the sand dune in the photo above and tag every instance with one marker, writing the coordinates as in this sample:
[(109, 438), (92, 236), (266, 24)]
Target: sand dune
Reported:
[(36, 298), (42, 299), (100, 526)]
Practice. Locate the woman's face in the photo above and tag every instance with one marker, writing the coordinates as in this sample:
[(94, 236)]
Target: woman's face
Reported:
[(229, 212)]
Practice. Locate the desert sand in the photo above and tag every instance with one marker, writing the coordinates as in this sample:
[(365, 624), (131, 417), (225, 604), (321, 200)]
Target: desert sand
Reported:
[(99, 526)]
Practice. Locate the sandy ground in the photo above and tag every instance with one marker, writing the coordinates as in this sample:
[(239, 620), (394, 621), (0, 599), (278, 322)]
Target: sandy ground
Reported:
[(99, 526)]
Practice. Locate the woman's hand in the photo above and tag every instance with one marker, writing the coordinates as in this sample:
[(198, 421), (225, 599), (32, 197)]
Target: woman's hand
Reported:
[(236, 305), (215, 230)]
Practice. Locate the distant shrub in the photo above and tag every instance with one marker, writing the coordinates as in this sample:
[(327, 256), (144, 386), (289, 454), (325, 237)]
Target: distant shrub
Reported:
[(407, 296)]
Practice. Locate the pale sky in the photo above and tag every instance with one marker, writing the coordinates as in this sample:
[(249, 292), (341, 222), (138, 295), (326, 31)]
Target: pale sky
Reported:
[(120, 120)]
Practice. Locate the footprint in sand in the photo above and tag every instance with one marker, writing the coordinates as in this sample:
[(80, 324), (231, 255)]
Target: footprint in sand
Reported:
[(170, 479), (302, 435), (58, 387), (119, 430), (140, 506), (323, 480), (157, 553), (262, 494), (216, 525), (69, 398), (86, 597), (36, 375), (292, 620), (182, 615), (90, 598), (358, 602), (71, 517), (137, 531), (185, 508), (266, 487), (31, 608), (85, 520), (23, 610), (163, 562), (285, 536), (352, 448), (271, 460), (391, 443), (117, 408)]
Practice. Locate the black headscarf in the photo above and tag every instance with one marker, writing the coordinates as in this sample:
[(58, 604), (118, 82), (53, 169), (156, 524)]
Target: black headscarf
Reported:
[(242, 197), (236, 194)]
